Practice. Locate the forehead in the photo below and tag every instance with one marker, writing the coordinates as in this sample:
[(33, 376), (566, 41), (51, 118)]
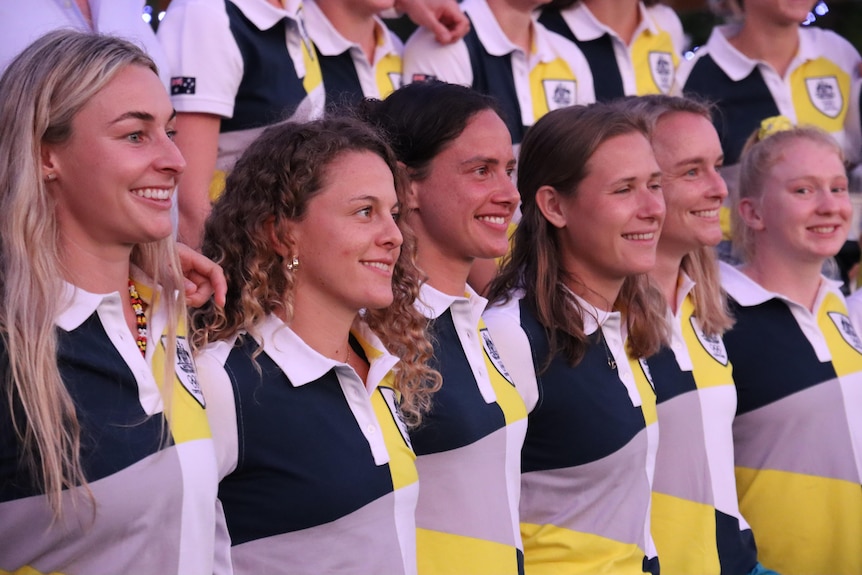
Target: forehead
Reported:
[(134, 88), (806, 157), (485, 135)]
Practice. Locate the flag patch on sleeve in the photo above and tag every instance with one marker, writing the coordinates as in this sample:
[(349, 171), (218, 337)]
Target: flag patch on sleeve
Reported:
[(182, 85)]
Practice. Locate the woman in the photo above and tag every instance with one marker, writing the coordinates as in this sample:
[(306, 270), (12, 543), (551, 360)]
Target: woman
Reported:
[(696, 521), (309, 399), (574, 310), (103, 425), (796, 357), (459, 159)]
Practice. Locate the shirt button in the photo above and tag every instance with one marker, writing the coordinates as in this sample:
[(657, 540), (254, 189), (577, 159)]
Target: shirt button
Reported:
[(122, 336)]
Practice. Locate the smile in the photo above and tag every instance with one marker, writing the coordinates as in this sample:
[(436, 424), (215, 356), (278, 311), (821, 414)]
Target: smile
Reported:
[(824, 229), (492, 219), (639, 237), (378, 265), (153, 193), (706, 213)]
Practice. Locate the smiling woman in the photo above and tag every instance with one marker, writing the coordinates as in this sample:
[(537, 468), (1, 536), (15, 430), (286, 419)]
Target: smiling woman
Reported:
[(573, 311), (315, 369), (102, 423)]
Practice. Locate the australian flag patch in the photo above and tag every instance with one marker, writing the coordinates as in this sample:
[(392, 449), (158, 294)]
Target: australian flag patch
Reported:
[(182, 85)]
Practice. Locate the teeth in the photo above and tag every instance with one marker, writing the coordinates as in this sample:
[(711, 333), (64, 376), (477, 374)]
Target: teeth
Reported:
[(648, 236), (153, 193), (824, 229), (378, 265), (493, 219), (706, 213)]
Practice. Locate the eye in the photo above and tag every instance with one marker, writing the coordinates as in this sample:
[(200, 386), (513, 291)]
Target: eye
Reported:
[(171, 134), (839, 189), (482, 171), (364, 212), (136, 137), (692, 173), (802, 191), (396, 215), (622, 190), (656, 187)]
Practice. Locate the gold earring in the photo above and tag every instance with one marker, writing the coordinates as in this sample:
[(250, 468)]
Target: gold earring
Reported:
[(293, 264), (50, 177)]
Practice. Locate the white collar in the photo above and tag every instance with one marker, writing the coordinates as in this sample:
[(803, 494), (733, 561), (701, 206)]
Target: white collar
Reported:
[(432, 303), (737, 65), (264, 15), (78, 304), (495, 41), (748, 292), (594, 317), (330, 42), (586, 27)]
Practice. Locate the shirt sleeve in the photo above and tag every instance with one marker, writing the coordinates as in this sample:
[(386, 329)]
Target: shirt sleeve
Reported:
[(220, 405), (425, 58)]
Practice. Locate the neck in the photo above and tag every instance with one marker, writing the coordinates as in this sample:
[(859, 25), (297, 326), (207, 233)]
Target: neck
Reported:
[(799, 282), (324, 328), (773, 43), (621, 16), (96, 270), (602, 295), (516, 24), (357, 27), (666, 275)]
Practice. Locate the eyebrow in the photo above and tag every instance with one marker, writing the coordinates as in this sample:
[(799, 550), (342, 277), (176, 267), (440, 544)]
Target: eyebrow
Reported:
[(696, 161), (144, 116), (373, 199), (482, 159)]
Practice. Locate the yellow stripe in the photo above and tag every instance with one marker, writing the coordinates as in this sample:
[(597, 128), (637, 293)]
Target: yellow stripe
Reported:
[(550, 550), (390, 66), (845, 359), (402, 460), (313, 75), (806, 112), (643, 45), (447, 554), (556, 69), (708, 372), (684, 534), (508, 398)]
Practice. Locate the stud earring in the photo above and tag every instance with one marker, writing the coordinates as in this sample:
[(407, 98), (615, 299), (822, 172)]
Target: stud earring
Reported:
[(293, 264), (50, 177)]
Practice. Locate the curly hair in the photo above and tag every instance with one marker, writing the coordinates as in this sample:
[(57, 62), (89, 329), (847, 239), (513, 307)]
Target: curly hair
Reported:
[(269, 188), (555, 152)]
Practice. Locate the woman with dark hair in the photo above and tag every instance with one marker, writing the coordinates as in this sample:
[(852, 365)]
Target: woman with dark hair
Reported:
[(106, 459), (458, 156), (797, 358), (573, 312), (316, 367)]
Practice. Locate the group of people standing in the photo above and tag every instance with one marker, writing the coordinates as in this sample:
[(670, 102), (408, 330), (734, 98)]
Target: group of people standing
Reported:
[(612, 401)]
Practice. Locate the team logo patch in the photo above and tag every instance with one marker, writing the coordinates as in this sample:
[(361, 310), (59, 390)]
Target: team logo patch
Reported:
[(713, 344), (647, 374), (185, 369), (392, 403), (395, 78), (825, 94), (182, 85), (661, 68), (845, 328), (423, 77), (559, 93), (494, 355)]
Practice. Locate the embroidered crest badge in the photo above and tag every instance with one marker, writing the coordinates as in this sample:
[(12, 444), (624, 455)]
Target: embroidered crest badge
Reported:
[(560, 93), (661, 68), (825, 94), (845, 328), (712, 344), (185, 369), (392, 403), (645, 368), (492, 354)]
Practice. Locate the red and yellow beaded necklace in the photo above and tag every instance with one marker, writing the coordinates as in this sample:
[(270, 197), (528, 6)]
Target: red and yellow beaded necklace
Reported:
[(140, 318)]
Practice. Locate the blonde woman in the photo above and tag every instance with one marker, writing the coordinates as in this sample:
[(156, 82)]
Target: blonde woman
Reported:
[(315, 368), (103, 429), (797, 360)]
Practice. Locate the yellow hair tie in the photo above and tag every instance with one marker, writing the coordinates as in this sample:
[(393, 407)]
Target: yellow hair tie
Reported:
[(773, 125)]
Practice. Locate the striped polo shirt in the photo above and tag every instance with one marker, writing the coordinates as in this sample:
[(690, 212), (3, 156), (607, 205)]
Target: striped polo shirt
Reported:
[(348, 76), (798, 430), (814, 91), (155, 496), (527, 86), (695, 515), (646, 65), (318, 475), (468, 448), (589, 455)]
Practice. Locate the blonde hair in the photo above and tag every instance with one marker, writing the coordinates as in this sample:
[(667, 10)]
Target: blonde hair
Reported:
[(272, 185), (41, 92), (762, 151), (710, 302), (555, 152)]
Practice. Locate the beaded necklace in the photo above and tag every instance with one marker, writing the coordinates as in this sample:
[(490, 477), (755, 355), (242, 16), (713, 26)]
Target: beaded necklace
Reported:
[(141, 319)]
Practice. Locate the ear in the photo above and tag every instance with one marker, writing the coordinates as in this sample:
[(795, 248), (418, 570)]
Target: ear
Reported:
[(49, 162), (750, 212), (280, 238), (550, 203), (411, 198)]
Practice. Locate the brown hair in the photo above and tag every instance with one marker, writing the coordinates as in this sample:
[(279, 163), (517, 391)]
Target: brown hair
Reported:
[(275, 179)]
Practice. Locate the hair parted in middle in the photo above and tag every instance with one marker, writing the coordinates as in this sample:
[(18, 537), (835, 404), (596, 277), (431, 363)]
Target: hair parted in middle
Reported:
[(701, 265), (555, 152), (270, 187)]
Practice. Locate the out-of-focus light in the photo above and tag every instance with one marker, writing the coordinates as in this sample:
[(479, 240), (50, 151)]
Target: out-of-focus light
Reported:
[(161, 15), (821, 9), (690, 53), (147, 18)]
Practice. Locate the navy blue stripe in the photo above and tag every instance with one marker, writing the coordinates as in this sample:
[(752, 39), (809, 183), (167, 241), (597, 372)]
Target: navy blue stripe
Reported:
[(459, 415), (587, 401), (607, 80), (737, 552), (115, 430), (741, 105), (492, 75), (771, 357), (669, 380), (270, 90), (340, 80), (303, 460)]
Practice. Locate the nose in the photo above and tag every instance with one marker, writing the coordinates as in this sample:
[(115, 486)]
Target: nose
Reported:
[(169, 158), (829, 202), (718, 187), (390, 234), (652, 204), (508, 193)]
